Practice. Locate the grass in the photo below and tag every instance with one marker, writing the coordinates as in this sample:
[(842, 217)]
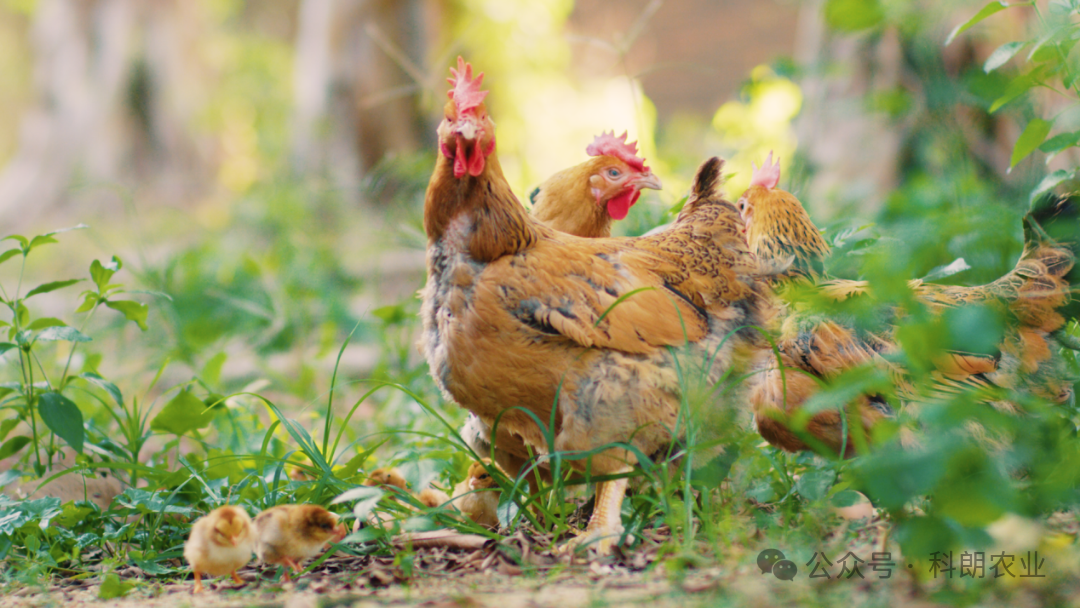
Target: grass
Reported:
[(186, 442)]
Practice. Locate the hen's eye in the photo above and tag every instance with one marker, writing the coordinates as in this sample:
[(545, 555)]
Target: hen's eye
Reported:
[(613, 173), (484, 476)]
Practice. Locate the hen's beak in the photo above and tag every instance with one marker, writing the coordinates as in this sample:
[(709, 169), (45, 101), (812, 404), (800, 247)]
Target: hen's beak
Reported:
[(467, 127), (235, 540), (648, 180)]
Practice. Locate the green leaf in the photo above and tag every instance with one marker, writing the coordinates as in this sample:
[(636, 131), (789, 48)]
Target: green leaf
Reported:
[(1049, 182), (62, 417), (17, 237), (66, 334), (10, 253), (853, 15), (813, 485), (101, 273), (940, 272), (1033, 136), (391, 315), (989, 9), (366, 497), (132, 310), (104, 385), (112, 587), (1060, 141), (44, 322), (6, 346), (1018, 86), (211, 372), (90, 299), (846, 498), (43, 239), (184, 413), (13, 445), (1002, 55), (6, 426), (47, 287)]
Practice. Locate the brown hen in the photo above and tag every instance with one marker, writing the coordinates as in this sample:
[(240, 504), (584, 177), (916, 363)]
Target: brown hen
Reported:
[(583, 201), (788, 245), (583, 333)]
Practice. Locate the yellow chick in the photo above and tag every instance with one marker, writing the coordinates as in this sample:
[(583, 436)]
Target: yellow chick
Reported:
[(433, 497), (477, 497), (290, 534), (220, 543), (389, 476)]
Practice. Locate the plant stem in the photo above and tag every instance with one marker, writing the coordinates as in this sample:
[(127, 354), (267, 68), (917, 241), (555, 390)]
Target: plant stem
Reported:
[(74, 345), (28, 375)]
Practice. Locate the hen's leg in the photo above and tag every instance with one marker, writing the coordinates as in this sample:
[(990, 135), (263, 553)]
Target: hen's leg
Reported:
[(605, 525), (236, 578), (198, 582)]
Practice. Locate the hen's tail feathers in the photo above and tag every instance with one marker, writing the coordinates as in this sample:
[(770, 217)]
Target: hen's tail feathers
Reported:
[(1048, 265), (707, 182), (708, 179), (1058, 219)]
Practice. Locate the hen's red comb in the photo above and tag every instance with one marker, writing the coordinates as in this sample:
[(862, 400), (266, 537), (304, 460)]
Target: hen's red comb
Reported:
[(768, 175), (606, 144), (466, 92)]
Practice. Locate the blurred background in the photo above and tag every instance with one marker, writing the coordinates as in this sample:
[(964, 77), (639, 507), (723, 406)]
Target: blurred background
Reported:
[(259, 166)]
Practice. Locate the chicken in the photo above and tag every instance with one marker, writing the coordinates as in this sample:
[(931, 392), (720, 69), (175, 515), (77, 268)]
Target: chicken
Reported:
[(584, 333), (584, 199), (387, 477), (290, 534), (432, 497), (477, 497), (220, 543), (778, 230), (787, 244)]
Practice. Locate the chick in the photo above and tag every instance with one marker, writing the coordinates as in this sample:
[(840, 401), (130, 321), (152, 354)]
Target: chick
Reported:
[(290, 534), (389, 476), (433, 497), (220, 543), (477, 497)]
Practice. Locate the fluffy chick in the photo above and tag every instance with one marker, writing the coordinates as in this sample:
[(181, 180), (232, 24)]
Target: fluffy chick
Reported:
[(290, 534), (433, 497), (477, 497), (388, 476), (220, 543)]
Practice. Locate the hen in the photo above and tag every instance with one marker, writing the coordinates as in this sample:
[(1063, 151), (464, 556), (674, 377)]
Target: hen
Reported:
[(584, 334), (220, 543), (583, 201), (787, 244), (289, 534)]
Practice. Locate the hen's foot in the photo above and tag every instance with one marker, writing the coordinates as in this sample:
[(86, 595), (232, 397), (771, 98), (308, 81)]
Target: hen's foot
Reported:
[(605, 526)]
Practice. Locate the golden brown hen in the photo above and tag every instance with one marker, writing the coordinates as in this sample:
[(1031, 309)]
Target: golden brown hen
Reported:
[(583, 201), (787, 244), (580, 332)]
